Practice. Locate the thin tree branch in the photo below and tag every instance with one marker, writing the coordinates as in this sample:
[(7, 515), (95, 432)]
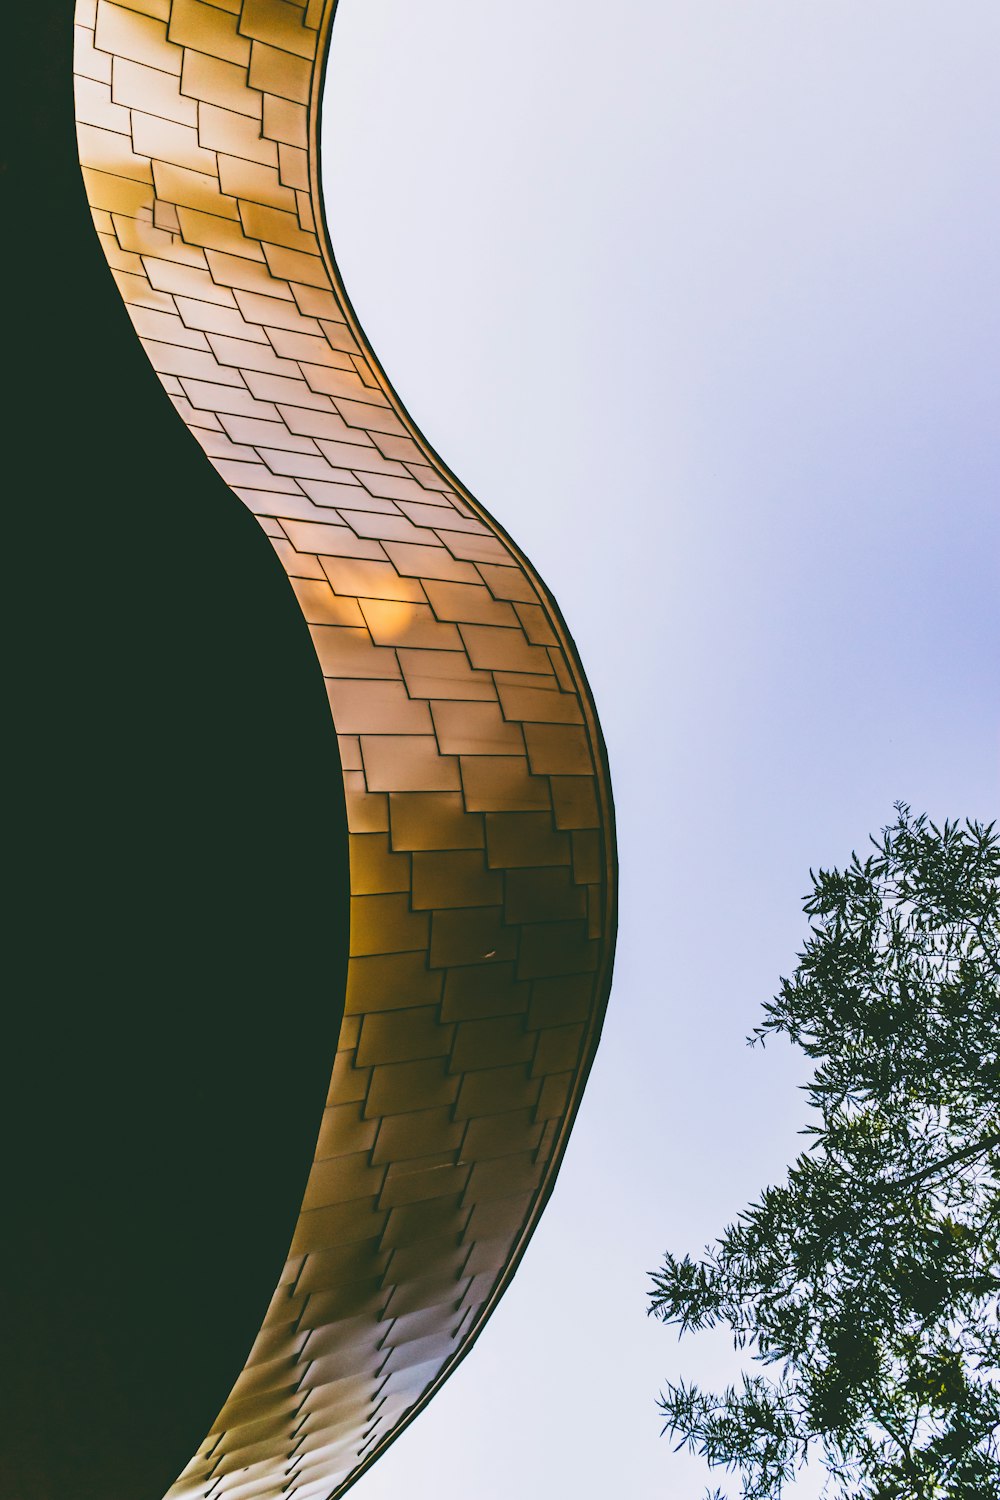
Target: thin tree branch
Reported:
[(946, 1161)]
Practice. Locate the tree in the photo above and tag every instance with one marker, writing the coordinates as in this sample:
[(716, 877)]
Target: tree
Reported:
[(867, 1287)]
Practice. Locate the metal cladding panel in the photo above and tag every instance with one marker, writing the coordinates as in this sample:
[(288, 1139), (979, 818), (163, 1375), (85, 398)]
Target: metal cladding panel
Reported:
[(481, 827)]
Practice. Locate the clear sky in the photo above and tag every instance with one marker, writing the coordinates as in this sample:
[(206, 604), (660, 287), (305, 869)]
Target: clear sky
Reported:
[(700, 299)]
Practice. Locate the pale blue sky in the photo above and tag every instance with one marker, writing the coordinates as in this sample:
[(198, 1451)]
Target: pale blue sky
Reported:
[(700, 299)]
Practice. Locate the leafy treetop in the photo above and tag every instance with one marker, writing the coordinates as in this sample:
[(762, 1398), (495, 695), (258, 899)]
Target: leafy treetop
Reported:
[(867, 1286)]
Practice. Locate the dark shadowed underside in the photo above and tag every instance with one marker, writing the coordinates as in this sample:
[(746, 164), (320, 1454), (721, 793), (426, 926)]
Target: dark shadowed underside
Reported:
[(181, 891)]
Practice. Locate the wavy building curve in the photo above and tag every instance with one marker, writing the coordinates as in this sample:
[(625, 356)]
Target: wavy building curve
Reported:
[(481, 837)]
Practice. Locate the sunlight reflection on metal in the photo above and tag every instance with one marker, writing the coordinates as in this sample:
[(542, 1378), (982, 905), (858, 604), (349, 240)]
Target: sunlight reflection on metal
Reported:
[(479, 807)]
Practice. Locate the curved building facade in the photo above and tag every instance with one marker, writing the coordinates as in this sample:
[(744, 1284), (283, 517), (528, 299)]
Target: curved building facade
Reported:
[(478, 803)]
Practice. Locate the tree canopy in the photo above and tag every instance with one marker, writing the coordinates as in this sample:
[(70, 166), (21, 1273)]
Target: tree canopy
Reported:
[(866, 1288)]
